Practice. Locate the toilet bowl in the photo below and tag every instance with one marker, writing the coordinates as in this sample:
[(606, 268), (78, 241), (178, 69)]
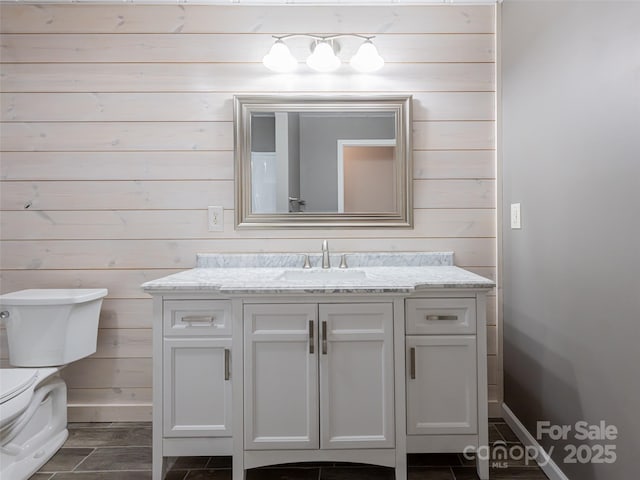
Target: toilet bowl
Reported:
[(33, 419), (46, 329)]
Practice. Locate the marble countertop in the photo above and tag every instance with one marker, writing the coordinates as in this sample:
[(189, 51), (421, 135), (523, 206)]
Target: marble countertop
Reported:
[(283, 273)]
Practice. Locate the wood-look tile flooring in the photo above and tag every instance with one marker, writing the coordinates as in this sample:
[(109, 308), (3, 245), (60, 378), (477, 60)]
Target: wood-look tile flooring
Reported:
[(122, 451)]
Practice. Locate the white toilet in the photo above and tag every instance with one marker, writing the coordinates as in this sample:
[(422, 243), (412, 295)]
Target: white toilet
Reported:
[(46, 329)]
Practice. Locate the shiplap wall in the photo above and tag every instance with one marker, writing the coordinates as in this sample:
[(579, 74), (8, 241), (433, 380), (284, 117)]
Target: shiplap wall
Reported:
[(117, 134)]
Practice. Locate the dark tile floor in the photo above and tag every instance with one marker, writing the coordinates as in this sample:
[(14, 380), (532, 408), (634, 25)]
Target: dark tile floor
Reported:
[(122, 451)]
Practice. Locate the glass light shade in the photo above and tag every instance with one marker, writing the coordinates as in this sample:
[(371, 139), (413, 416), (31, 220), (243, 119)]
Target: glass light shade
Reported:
[(367, 59), (279, 58), (323, 59)]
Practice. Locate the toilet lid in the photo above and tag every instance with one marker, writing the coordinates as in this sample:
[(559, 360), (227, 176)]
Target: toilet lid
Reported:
[(51, 296), (14, 381)]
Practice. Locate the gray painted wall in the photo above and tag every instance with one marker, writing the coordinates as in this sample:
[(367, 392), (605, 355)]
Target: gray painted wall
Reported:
[(263, 133), (571, 156)]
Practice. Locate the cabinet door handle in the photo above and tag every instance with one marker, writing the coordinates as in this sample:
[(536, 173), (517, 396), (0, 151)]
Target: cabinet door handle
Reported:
[(227, 370), (199, 320), (324, 337), (437, 318), (412, 363), (311, 339)]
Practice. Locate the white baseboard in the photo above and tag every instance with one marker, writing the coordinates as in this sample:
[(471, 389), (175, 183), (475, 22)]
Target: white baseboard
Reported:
[(109, 413), (549, 467)]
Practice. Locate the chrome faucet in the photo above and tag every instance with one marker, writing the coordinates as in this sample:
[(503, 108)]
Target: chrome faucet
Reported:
[(325, 255)]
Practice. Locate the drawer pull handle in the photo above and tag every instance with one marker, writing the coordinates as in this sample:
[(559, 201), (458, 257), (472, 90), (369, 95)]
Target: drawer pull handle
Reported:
[(199, 320), (324, 337), (412, 363), (438, 318), (311, 340), (227, 370)]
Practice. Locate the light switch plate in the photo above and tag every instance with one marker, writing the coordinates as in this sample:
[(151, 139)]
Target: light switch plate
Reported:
[(215, 219), (516, 221)]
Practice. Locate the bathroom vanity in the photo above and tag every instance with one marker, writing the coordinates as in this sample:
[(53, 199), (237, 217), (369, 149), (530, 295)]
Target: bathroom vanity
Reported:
[(261, 359)]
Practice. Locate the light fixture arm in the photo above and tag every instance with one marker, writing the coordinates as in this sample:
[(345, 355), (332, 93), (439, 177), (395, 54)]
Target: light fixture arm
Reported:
[(322, 37)]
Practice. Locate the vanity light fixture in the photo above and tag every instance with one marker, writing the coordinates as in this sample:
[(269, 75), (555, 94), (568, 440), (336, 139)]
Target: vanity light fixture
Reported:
[(323, 56), (367, 59), (279, 58)]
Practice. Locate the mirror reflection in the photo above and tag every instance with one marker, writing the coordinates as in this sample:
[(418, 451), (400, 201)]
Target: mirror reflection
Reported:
[(322, 161), (332, 162)]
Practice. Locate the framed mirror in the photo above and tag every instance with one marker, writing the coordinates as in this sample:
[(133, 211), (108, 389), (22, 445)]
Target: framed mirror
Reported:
[(322, 161)]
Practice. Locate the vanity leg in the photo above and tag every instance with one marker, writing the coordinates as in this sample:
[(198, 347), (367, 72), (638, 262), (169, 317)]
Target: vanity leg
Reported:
[(158, 466), (482, 466), (158, 461), (401, 471), (238, 472)]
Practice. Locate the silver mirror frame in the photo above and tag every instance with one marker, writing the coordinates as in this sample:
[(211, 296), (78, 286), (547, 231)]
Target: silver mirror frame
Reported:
[(245, 105)]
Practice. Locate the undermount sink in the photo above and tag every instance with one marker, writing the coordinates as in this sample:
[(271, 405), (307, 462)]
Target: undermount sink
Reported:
[(322, 275)]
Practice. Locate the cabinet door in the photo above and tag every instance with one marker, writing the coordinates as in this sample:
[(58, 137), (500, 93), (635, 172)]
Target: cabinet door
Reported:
[(441, 385), (280, 376), (356, 376), (197, 387)]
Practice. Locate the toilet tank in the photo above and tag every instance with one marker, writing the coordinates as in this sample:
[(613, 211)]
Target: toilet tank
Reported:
[(51, 327)]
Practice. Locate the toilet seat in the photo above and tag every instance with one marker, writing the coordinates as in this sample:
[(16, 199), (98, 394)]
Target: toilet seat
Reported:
[(14, 381), (17, 385)]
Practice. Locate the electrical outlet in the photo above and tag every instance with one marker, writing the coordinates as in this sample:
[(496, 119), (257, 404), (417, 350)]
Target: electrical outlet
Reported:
[(516, 221), (215, 217)]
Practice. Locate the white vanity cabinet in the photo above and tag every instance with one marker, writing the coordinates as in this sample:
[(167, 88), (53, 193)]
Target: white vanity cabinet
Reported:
[(196, 366), (363, 365), (318, 376)]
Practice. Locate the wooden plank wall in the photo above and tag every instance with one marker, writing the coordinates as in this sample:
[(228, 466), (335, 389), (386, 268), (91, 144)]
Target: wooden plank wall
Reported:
[(117, 134)]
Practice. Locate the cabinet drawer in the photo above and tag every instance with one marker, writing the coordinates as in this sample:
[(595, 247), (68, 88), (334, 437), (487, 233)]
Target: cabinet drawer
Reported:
[(197, 317), (440, 316)]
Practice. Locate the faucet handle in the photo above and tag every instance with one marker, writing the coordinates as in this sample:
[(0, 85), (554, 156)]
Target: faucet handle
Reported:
[(306, 261), (343, 261)]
